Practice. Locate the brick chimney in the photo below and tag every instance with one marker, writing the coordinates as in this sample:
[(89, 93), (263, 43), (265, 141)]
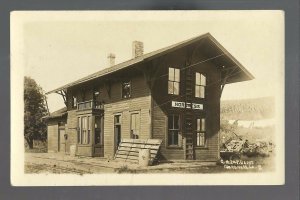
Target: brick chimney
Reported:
[(137, 49), (111, 59)]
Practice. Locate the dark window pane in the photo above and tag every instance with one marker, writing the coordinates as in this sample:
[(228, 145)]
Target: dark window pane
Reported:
[(175, 142), (176, 122), (170, 138), (126, 89), (97, 129), (170, 122)]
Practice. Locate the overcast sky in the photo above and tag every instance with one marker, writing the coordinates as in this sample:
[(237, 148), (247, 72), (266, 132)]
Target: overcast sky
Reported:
[(62, 47)]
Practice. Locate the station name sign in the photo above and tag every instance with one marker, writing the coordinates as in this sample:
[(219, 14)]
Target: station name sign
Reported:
[(179, 104)]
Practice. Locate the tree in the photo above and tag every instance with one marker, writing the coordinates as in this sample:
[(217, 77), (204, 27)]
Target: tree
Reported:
[(34, 110)]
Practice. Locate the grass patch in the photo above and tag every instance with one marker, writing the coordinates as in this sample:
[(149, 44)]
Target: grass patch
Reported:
[(38, 147), (125, 170)]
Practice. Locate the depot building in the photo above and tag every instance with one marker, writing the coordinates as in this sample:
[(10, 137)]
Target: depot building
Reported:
[(172, 94)]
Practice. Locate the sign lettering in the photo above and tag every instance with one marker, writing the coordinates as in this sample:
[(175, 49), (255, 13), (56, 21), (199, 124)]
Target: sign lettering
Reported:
[(178, 104), (197, 106)]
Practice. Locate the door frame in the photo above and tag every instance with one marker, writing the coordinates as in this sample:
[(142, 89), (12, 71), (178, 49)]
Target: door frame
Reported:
[(115, 145), (59, 140)]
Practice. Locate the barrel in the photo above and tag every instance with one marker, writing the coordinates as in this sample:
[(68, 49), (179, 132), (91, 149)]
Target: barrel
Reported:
[(144, 157), (72, 150)]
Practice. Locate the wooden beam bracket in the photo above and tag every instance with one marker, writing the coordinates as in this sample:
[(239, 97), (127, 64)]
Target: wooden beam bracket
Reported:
[(63, 93)]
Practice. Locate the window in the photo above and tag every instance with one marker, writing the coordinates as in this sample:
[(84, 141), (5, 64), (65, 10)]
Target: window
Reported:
[(174, 81), (201, 132), (126, 89), (135, 125), (173, 133), (74, 102), (84, 130), (200, 85)]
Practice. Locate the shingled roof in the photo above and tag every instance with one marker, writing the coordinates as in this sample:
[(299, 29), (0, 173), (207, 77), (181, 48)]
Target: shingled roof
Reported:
[(245, 74)]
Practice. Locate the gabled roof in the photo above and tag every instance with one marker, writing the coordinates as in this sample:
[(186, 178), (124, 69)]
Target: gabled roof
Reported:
[(245, 74)]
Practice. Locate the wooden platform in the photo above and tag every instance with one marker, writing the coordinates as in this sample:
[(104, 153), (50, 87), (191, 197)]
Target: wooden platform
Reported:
[(128, 150)]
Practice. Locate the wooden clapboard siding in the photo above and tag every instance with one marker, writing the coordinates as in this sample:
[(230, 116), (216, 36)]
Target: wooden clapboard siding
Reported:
[(159, 129), (110, 88), (125, 108), (154, 105), (140, 101), (162, 102), (71, 129), (52, 131)]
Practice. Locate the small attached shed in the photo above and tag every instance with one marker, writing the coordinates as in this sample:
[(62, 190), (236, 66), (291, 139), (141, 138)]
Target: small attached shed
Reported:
[(57, 137)]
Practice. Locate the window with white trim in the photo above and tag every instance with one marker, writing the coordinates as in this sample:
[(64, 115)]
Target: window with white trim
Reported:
[(201, 130), (200, 85), (84, 129), (173, 130), (174, 81)]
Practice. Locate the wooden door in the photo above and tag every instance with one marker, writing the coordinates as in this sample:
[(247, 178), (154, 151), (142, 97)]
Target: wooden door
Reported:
[(62, 140), (117, 131)]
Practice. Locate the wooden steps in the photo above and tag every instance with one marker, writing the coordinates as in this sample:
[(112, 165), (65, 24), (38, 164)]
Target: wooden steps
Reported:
[(128, 150)]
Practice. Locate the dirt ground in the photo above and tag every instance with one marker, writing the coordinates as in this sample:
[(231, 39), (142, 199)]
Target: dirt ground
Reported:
[(64, 164)]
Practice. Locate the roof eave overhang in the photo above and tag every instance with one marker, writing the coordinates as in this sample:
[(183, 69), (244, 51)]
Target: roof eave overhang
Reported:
[(246, 74)]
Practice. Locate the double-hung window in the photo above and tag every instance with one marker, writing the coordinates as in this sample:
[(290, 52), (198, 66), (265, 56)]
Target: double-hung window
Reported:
[(173, 130), (84, 129), (174, 81), (201, 130), (200, 85)]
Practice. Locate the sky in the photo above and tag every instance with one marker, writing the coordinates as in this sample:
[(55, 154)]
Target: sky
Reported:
[(61, 47)]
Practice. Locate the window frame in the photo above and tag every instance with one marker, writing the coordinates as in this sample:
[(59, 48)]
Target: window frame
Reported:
[(179, 143), (130, 91), (139, 125), (201, 131), (174, 80), (200, 85), (84, 129)]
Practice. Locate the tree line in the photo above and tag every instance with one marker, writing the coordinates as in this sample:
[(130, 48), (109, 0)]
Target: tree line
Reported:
[(35, 108)]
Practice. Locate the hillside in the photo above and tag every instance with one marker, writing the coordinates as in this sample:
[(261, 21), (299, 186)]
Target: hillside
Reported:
[(248, 109)]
